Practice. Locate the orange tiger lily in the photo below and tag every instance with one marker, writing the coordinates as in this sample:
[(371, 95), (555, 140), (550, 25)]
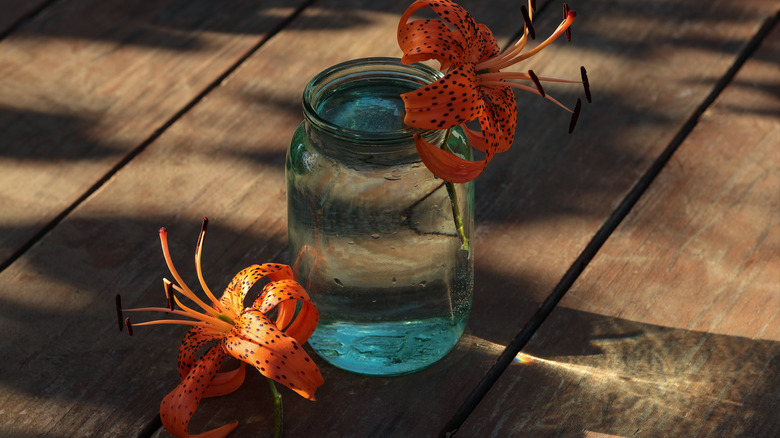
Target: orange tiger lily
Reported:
[(272, 347), (473, 86)]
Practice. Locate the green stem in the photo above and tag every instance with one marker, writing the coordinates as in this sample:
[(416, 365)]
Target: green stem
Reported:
[(278, 415), (464, 241)]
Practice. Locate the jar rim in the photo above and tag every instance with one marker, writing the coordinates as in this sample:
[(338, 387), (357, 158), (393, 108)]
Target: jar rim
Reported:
[(355, 70)]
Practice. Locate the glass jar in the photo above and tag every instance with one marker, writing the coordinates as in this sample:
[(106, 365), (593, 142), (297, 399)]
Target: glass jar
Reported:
[(372, 232)]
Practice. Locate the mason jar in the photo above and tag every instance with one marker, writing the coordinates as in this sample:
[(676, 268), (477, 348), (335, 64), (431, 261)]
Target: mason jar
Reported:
[(382, 245)]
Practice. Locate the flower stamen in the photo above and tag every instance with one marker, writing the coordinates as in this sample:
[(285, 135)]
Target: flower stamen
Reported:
[(514, 56), (184, 289), (566, 14), (585, 83), (525, 88), (119, 311), (198, 252), (538, 84), (168, 293), (529, 27), (201, 319), (575, 115), (176, 322)]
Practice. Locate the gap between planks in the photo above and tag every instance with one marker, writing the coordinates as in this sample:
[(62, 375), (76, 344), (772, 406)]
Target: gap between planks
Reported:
[(601, 236)]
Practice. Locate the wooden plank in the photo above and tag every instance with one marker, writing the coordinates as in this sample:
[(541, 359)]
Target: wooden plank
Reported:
[(674, 328), (224, 160), (88, 81), (527, 200)]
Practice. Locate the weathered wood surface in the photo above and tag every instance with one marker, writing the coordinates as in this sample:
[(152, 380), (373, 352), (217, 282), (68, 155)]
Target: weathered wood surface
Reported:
[(86, 83), (651, 65), (675, 325)]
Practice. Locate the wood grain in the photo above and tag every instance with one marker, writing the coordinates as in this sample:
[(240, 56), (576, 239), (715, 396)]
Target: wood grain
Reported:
[(225, 161), (675, 325), (538, 205), (516, 265), (86, 83)]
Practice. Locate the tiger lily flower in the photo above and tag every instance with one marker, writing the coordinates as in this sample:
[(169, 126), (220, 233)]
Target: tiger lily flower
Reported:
[(473, 87), (247, 334)]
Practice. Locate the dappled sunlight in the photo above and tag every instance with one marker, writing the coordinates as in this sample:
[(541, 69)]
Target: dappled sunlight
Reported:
[(123, 117), (620, 379), (634, 376)]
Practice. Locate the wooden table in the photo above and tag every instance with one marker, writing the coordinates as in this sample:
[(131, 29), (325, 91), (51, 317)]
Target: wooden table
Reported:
[(656, 224)]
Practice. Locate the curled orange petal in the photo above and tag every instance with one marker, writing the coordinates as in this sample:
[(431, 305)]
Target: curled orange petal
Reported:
[(193, 341), (448, 102), (447, 165), (220, 432), (489, 46), (257, 341), (287, 296), (226, 382), (178, 407), (434, 38), (499, 119), (233, 297), (422, 40)]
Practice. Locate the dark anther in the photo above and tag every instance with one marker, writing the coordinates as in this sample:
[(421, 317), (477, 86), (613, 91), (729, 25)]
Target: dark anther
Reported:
[(536, 82), (527, 19), (202, 232), (533, 5), (129, 326), (585, 84), (119, 310), (575, 115), (168, 293), (566, 16)]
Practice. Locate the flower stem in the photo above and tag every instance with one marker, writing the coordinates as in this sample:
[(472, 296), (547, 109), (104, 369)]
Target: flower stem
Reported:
[(464, 241), (278, 415)]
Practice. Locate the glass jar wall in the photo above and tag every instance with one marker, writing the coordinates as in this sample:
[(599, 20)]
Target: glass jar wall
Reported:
[(373, 233)]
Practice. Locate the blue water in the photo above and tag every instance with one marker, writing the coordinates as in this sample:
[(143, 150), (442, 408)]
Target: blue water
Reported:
[(390, 348)]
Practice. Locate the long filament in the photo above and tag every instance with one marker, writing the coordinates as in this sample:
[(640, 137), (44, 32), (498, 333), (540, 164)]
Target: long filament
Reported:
[(199, 317), (198, 252), (526, 88), (514, 56), (184, 289)]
